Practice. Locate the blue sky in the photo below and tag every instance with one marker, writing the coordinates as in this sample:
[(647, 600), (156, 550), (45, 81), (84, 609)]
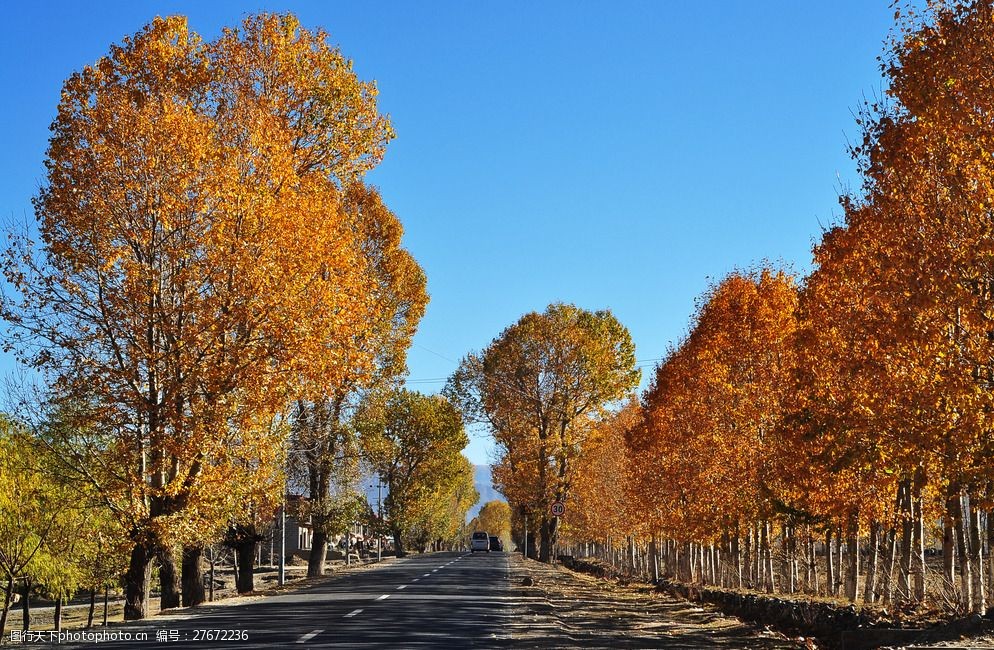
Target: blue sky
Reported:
[(613, 155)]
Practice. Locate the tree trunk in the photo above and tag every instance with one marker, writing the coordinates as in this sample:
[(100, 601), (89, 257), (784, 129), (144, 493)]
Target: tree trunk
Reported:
[(812, 572), (766, 544), (979, 603), (246, 566), (169, 593), (963, 551), (870, 589), (319, 552), (990, 549), (26, 607), (93, 608), (654, 559), (736, 558), (398, 542), (949, 544), (907, 539), (792, 560), (852, 551), (829, 564), (545, 552), (193, 576), (8, 593), (106, 603), (918, 561), (747, 560), (137, 580), (890, 557), (57, 623), (211, 563)]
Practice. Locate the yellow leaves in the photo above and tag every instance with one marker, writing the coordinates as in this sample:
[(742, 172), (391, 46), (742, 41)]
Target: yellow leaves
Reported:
[(212, 254)]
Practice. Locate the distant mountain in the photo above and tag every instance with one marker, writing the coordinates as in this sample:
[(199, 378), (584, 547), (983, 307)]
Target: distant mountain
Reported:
[(483, 481)]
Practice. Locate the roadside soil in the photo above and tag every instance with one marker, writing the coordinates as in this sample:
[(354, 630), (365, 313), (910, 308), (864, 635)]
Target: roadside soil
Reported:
[(566, 609), (74, 613)]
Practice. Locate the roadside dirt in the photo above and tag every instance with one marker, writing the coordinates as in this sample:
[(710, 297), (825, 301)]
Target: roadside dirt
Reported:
[(74, 614), (565, 609)]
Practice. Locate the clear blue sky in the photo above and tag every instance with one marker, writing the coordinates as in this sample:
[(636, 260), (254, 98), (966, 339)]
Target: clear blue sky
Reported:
[(613, 154)]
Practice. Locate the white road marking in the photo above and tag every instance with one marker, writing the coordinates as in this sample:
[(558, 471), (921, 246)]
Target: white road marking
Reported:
[(426, 575), (415, 580), (434, 570), (401, 587), (353, 613), (310, 635), (383, 597)]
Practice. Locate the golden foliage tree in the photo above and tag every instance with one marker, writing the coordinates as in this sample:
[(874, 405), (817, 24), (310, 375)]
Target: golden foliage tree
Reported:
[(414, 443), (538, 385), (181, 174)]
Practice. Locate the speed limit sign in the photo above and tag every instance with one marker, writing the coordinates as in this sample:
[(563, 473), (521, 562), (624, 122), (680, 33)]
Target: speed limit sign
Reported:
[(558, 509)]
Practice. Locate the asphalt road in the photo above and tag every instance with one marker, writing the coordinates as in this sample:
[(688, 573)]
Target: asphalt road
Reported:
[(436, 600)]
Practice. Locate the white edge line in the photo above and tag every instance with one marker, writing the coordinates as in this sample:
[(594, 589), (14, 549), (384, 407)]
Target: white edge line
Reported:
[(310, 635)]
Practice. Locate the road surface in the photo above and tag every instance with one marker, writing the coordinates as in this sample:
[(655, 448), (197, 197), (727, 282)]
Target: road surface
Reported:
[(442, 600), (450, 599)]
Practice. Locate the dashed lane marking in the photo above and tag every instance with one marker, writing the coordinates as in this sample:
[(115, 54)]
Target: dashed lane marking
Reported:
[(353, 613), (401, 587), (426, 575), (310, 635), (383, 597)]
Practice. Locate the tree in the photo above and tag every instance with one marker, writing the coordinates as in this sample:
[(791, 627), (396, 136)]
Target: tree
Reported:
[(32, 508), (440, 517), (495, 518), (179, 173), (919, 250), (364, 361), (537, 386), (414, 443), (602, 506)]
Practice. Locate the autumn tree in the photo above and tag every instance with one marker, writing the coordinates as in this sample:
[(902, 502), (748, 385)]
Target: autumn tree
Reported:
[(602, 505), (495, 518), (179, 173), (537, 386), (710, 418), (919, 251), (32, 508), (414, 443), (440, 518), (364, 360)]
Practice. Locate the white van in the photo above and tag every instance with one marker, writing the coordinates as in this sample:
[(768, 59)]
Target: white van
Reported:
[(480, 542)]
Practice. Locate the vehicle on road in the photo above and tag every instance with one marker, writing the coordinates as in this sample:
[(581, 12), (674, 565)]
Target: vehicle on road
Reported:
[(479, 542), (495, 543)]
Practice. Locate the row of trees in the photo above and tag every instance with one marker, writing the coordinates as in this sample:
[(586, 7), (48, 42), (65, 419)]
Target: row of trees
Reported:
[(540, 387), (217, 307), (818, 434)]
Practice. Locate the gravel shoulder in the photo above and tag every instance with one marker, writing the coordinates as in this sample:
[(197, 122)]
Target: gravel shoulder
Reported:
[(566, 609)]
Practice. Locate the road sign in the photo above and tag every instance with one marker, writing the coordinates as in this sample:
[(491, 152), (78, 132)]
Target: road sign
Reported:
[(558, 509)]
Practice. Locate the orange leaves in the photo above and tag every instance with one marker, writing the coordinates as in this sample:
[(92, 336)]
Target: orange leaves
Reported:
[(209, 252), (714, 405), (540, 386)]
